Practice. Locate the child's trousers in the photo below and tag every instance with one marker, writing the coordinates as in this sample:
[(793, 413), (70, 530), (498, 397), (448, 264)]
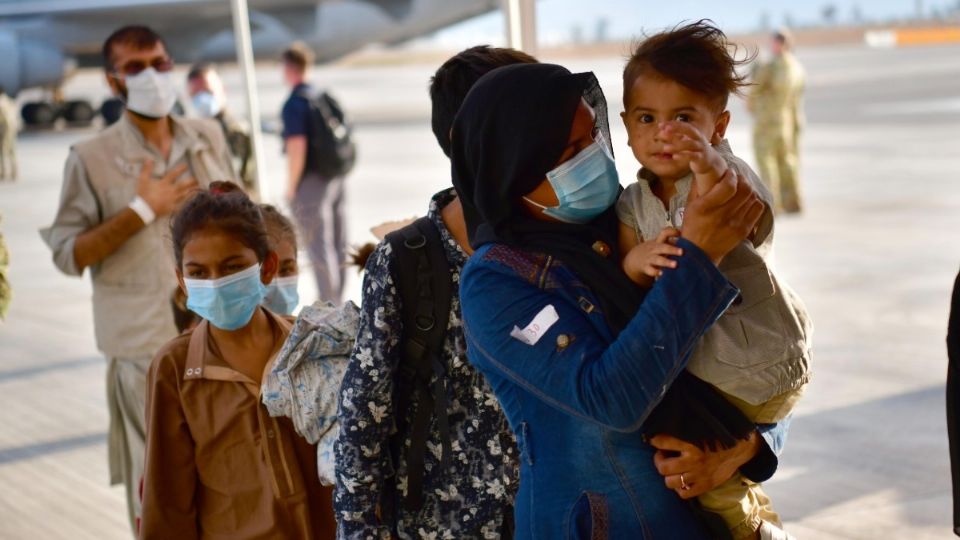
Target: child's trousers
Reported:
[(740, 502)]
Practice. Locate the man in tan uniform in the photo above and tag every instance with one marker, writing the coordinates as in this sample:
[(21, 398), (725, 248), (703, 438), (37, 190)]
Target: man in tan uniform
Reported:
[(775, 102), (119, 189)]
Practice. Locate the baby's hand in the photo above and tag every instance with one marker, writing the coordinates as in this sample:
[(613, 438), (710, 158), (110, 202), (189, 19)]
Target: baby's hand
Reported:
[(685, 142), (646, 261)]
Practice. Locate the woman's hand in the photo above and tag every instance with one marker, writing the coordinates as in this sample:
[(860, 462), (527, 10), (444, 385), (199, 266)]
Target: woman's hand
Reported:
[(721, 218), (701, 470)]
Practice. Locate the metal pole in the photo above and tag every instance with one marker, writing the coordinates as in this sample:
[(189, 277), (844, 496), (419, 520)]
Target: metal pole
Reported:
[(521, 19), (241, 32)]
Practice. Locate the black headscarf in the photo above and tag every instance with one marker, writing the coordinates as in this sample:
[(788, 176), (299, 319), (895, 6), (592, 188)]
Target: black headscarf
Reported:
[(511, 130)]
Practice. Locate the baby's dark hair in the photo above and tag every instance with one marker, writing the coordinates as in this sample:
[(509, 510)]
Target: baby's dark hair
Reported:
[(696, 55), (226, 207), (279, 226)]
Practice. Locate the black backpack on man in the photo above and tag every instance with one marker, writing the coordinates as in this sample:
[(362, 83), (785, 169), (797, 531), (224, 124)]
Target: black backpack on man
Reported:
[(331, 152)]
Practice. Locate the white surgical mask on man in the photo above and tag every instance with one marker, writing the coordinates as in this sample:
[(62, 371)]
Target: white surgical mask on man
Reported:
[(151, 93)]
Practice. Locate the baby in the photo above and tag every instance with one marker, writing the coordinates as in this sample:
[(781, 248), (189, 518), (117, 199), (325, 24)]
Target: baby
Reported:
[(675, 91)]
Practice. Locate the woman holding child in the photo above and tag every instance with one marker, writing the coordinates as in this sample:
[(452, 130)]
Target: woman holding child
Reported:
[(576, 354)]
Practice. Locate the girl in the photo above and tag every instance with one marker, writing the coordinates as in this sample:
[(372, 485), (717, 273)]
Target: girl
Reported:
[(282, 296), (217, 464)]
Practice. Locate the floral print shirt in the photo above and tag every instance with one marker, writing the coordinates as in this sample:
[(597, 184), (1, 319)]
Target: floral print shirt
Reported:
[(474, 495)]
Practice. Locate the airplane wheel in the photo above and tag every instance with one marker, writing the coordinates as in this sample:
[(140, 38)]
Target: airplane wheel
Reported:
[(38, 114), (79, 113), (111, 110)]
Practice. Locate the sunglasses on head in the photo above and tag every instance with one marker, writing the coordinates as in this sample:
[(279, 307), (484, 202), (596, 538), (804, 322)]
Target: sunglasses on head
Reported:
[(162, 64)]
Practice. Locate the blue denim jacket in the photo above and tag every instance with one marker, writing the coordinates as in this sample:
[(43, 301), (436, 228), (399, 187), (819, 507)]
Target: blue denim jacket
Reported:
[(576, 397)]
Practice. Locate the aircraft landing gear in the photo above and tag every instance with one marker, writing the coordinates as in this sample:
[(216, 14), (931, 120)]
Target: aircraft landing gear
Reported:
[(43, 114), (111, 110), (39, 114), (79, 113)]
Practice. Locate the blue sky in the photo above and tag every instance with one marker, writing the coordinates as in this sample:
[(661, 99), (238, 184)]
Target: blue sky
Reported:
[(627, 18)]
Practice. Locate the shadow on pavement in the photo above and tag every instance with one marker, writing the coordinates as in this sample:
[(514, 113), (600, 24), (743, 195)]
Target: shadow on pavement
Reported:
[(30, 451), (896, 443)]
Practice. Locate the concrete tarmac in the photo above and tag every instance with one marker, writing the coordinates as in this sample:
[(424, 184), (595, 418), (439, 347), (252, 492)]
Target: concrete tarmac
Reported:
[(873, 256)]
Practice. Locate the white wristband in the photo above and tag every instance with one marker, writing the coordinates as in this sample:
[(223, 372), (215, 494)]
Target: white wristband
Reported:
[(143, 210)]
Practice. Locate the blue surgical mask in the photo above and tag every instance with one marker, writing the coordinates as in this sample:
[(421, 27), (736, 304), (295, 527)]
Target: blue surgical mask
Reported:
[(229, 302), (586, 185), (282, 296), (206, 104)]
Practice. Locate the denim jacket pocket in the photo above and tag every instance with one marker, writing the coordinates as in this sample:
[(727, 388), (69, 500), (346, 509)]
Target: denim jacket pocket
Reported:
[(589, 518)]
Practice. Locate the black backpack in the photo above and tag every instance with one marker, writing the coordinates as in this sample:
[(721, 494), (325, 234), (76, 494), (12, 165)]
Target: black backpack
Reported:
[(331, 152), (425, 292), (423, 283)]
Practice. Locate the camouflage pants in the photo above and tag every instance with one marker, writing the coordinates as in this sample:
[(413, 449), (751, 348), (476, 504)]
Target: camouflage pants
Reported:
[(778, 165), (5, 292), (8, 157)]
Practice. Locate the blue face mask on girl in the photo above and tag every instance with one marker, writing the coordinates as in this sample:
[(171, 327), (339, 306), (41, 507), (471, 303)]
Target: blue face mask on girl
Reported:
[(586, 185), (282, 296), (229, 302)]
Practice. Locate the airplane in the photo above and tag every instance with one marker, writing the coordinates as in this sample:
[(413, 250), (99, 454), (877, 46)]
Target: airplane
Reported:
[(44, 41)]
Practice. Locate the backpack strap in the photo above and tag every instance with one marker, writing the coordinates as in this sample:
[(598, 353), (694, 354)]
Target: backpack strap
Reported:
[(329, 109), (334, 107), (425, 289)]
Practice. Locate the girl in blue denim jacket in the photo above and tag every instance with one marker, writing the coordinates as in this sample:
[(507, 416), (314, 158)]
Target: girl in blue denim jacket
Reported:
[(576, 355)]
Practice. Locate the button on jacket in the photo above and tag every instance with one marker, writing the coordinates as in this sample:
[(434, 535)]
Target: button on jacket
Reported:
[(217, 465)]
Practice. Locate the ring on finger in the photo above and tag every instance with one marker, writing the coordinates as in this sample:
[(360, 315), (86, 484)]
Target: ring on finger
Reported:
[(683, 483)]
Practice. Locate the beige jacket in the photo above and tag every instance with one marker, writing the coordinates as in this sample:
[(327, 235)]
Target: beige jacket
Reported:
[(131, 287), (760, 347)]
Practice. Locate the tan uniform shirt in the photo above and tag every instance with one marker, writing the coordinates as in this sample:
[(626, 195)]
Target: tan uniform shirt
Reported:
[(217, 465), (131, 287)]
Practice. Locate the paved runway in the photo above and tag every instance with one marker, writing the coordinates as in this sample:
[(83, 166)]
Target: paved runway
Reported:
[(874, 257)]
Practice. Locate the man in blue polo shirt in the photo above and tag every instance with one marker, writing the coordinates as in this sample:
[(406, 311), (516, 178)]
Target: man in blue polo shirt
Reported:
[(316, 200)]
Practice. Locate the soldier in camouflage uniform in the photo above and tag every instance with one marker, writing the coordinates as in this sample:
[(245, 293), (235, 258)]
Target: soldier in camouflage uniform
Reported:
[(775, 102)]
